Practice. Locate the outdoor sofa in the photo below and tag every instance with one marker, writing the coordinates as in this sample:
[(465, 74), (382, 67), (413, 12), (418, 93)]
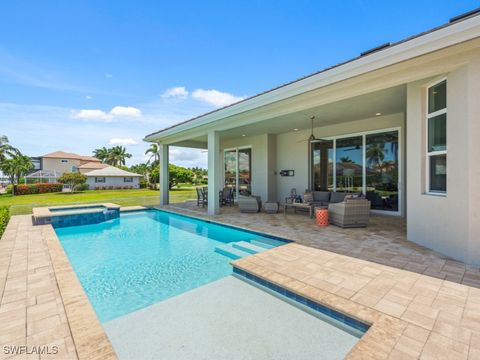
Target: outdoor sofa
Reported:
[(325, 198), (352, 212)]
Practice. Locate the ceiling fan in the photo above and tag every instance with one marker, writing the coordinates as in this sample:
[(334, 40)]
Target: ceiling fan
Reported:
[(312, 139)]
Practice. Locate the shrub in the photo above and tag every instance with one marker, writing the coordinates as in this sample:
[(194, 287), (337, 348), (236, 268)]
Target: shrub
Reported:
[(40, 188), (73, 179), (4, 217), (82, 187)]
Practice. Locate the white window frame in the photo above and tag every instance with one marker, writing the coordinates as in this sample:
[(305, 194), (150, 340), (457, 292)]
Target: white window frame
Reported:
[(237, 179), (100, 182), (128, 179), (428, 153)]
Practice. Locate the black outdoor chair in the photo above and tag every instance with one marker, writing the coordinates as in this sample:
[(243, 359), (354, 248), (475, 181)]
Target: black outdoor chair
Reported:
[(202, 199), (226, 196)]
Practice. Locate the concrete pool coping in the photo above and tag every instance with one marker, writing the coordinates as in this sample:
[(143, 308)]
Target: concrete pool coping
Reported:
[(420, 329), (46, 211)]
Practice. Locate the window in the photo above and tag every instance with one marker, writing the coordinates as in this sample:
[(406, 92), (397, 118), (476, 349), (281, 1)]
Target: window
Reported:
[(238, 170), (100, 180), (74, 169), (128, 179), (437, 138), (64, 161), (367, 163)]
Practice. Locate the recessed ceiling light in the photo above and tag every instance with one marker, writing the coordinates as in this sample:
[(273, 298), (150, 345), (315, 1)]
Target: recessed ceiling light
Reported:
[(295, 129), (244, 135), (378, 114)]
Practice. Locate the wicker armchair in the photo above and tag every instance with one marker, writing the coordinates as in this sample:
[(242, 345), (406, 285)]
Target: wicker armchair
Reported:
[(352, 212), (250, 204)]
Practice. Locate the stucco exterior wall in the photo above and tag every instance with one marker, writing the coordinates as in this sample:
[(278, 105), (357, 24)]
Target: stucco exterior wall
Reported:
[(113, 181), (58, 165), (450, 223)]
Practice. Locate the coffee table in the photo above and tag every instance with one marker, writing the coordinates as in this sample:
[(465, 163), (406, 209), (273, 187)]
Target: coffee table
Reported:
[(296, 206)]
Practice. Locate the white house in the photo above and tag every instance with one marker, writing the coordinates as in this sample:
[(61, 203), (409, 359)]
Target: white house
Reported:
[(399, 123), (111, 176)]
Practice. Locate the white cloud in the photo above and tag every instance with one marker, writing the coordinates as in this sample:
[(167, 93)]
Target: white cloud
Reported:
[(108, 76), (188, 157), (126, 111), (122, 141), (88, 97), (100, 115), (93, 115), (215, 97), (178, 92)]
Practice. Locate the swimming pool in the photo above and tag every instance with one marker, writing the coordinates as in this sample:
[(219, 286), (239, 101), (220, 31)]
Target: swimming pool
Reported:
[(144, 257)]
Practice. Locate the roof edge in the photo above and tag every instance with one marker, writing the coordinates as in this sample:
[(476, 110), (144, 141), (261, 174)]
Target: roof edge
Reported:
[(368, 57)]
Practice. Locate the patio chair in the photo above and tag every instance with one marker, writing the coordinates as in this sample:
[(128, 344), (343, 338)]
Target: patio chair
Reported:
[(352, 212), (201, 197), (226, 196), (249, 204)]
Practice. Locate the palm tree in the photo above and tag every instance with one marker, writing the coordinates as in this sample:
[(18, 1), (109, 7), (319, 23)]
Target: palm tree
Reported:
[(375, 154), (101, 154), (346, 160), (117, 156), (153, 150), (6, 149)]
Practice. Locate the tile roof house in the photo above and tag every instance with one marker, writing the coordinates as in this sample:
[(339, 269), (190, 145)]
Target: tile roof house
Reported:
[(111, 176), (60, 161)]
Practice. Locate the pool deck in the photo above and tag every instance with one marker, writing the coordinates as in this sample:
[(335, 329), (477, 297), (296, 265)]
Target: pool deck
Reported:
[(421, 304)]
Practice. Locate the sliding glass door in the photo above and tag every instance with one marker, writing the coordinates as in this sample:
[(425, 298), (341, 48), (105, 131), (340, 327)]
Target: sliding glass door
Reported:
[(349, 164), (322, 165), (238, 170), (382, 170), (366, 163)]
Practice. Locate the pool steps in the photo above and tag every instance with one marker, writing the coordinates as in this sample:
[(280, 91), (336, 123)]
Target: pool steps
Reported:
[(231, 252), (238, 250), (248, 247)]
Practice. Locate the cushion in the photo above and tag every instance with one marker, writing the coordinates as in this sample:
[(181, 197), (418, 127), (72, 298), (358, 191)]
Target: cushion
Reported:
[(321, 196), (337, 197), (308, 197)]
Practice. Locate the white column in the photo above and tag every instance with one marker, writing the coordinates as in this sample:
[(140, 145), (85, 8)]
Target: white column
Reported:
[(163, 152), (213, 172)]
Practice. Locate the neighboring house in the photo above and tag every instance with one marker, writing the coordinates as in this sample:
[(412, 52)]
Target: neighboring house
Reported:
[(399, 123), (60, 162), (90, 166), (112, 177)]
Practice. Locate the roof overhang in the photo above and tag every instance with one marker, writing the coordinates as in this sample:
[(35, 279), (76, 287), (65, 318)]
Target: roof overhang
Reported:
[(413, 47)]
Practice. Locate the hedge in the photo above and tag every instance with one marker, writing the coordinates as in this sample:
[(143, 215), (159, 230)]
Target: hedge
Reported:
[(40, 188), (4, 217)]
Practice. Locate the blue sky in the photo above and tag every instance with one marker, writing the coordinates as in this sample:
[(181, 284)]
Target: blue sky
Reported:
[(78, 75)]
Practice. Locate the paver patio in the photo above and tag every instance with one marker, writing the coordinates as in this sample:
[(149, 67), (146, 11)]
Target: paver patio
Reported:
[(414, 297)]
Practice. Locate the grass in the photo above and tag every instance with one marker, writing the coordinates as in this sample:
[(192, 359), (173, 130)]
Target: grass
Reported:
[(23, 204), (4, 217)]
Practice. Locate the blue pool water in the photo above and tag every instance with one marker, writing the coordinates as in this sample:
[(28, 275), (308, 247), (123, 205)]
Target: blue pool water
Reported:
[(144, 257)]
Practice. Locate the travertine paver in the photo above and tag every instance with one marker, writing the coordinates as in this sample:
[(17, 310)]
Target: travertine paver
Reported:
[(43, 307), (383, 241)]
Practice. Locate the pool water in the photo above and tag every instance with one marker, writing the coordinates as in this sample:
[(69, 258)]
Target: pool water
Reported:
[(145, 257)]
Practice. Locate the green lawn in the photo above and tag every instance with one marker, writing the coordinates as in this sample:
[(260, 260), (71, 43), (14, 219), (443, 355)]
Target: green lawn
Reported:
[(23, 204)]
